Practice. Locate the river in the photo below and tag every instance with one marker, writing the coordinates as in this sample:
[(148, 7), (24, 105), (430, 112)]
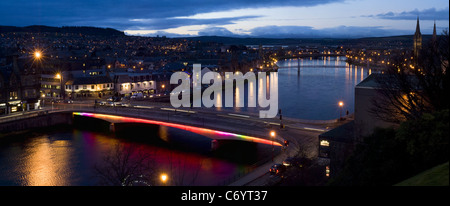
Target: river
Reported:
[(68, 156), (315, 92)]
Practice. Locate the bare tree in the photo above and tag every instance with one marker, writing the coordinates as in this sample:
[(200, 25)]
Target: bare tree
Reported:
[(406, 92), (126, 166)]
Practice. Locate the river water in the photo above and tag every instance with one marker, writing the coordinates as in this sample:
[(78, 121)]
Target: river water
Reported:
[(66, 156), (313, 93)]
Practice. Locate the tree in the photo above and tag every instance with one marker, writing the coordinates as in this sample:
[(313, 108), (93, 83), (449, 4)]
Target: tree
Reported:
[(126, 165), (408, 90), (426, 139), (389, 156)]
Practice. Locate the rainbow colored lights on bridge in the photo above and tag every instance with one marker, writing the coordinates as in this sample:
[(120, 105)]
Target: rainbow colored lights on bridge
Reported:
[(199, 130)]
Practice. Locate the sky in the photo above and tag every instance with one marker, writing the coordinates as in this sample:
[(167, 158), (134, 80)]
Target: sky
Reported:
[(243, 18)]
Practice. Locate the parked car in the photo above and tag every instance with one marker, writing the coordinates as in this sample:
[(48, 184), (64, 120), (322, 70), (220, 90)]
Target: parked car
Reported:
[(137, 96), (114, 99), (296, 161), (277, 169)]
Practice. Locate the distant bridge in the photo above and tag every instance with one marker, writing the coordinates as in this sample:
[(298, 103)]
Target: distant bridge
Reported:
[(295, 56), (314, 66)]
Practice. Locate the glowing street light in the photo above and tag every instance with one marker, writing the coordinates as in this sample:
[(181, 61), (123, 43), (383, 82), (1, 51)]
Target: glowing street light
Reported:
[(37, 54), (164, 178), (273, 134), (58, 76), (341, 104)]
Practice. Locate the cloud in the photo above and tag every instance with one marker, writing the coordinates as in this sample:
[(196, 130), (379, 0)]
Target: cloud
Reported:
[(167, 23), (426, 14), (216, 31), (160, 33), (335, 32), (118, 13)]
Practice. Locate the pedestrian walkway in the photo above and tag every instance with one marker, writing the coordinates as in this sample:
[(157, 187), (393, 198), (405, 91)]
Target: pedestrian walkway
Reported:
[(263, 169)]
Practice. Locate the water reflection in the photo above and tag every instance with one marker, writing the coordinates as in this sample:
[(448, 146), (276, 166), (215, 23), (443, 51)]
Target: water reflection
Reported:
[(313, 92), (67, 157), (43, 162)]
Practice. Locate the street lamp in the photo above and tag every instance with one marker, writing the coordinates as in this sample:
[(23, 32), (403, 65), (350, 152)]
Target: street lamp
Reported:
[(58, 76), (341, 104), (164, 178), (37, 54), (272, 134)]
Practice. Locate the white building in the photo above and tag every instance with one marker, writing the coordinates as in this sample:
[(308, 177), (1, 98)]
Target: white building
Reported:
[(128, 83), (92, 86)]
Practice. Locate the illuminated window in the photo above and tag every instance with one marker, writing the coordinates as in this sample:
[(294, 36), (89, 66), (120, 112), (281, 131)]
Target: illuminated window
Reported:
[(324, 143)]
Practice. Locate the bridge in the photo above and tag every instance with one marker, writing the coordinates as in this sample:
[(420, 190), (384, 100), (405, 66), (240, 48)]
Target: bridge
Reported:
[(308, 55), (314, 66), (211, 133)]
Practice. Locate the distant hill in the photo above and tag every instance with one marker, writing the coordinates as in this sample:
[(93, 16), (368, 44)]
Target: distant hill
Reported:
[(264, 41), (405, 40), (65, 29)]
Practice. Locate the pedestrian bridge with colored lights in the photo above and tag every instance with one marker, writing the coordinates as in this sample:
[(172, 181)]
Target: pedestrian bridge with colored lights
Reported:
[(213, 134)]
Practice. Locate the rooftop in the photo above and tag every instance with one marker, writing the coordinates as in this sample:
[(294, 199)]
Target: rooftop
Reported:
[(343, 133)]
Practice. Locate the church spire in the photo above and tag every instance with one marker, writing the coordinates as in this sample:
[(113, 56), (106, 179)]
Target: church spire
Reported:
[(417, 40), (417, 27), (434, 31)]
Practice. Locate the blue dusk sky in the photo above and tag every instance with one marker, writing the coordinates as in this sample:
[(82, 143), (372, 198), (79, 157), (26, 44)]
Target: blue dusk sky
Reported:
[(243, 18)]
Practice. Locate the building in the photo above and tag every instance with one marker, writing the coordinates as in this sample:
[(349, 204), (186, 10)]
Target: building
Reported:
[(51, 86), (19, 87), (129, 83), (336, 145), (365, 93), (417, 40), (89, 87)]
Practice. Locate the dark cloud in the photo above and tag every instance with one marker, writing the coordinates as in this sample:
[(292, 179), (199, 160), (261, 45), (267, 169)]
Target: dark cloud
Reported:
[(426, 14), (117, 13), (167, 23)]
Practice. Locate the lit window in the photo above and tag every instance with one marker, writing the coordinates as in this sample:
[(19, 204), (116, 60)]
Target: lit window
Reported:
[(324, 143)]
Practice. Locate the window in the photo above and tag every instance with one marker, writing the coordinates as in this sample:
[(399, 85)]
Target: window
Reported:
[(324, 143), (92, 86), (76, 87), (84, 86)]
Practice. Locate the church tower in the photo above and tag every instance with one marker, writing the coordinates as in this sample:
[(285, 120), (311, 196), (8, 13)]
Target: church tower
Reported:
[(417, 40), (434, 38)]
